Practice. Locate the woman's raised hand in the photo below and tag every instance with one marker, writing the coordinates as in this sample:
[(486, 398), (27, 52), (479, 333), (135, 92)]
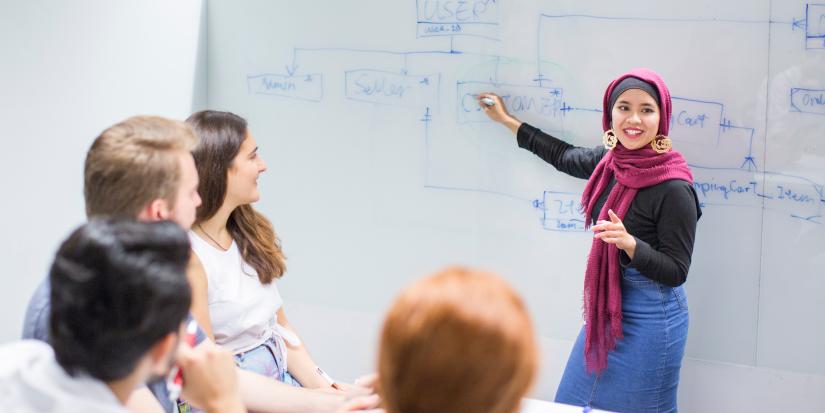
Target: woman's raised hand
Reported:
[(497, 111)]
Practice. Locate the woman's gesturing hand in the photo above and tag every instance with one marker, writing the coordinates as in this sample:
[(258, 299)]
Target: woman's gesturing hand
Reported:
[(614, 232)]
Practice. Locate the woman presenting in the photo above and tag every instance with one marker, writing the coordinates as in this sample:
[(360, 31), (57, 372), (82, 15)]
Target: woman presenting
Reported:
[(640, 203)]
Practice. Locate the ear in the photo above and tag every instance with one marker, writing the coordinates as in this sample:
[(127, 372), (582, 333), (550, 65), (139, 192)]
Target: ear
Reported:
[(161, 355), (157, 210)]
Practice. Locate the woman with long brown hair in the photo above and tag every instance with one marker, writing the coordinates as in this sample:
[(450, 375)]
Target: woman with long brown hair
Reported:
[(235, 298)]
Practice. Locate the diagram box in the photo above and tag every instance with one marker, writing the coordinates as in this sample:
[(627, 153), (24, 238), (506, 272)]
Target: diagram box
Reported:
[(304, 87)]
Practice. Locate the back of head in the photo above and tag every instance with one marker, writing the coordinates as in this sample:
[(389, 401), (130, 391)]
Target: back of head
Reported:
[(458, 341), (133, 163), (118, 287)]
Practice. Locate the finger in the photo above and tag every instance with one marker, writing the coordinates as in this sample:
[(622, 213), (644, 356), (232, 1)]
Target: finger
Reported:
[(600, 225), (184, 353), (612, 241), (613, 217), (606, 235), (367, 381), (608, 227), (479, 102), (364, 402)]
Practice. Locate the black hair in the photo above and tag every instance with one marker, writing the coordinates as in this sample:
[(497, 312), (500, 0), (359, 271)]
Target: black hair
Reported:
[(117, 288)]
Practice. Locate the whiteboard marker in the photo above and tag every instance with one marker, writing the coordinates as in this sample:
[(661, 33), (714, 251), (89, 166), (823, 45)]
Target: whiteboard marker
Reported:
[(488, 101)]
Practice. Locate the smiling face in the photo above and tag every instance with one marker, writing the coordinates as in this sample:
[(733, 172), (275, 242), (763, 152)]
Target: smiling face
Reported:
[(635, 118), (242, 177)]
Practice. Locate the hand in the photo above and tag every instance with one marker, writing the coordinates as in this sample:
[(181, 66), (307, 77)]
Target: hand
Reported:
[(361, 396), (498, 112), (614, 232), (362, 404), (370, 381), (363, 386), (209, 378)]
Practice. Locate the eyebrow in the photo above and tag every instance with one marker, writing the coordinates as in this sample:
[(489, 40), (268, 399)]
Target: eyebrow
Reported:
[(643, 104)]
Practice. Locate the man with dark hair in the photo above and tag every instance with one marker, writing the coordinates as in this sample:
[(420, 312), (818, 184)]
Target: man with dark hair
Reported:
[(118, 305)]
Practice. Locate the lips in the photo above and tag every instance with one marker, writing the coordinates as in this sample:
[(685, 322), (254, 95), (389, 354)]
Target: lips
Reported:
[(632, 133)]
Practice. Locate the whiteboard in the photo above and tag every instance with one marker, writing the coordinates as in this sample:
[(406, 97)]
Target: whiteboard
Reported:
[(382, 168)]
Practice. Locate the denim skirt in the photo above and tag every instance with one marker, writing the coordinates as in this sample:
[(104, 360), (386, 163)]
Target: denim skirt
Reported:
[(268, 359), (642, 373)]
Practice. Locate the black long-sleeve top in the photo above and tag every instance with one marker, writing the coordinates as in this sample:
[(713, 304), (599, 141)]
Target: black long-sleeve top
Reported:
[(661, 217)]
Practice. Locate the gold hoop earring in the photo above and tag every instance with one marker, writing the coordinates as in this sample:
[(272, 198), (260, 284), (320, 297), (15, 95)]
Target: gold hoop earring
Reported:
[(609, 139), (661, 144)]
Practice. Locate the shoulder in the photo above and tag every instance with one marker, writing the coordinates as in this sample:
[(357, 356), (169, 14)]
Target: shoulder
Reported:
[(18, 355), (196, 274), (671, 188), (35, 323), (41, 296), (673, 195), (197, 243)]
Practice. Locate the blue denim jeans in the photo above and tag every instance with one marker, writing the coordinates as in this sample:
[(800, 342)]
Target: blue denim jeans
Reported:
[(642, 374), (267, 360)]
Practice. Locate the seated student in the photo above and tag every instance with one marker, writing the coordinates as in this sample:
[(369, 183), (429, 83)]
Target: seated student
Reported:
[(118, 304), (236, 299), (143, 168), (458, 341)]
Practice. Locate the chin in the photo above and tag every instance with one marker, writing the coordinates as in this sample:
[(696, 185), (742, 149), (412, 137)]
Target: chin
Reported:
[(635, 144)]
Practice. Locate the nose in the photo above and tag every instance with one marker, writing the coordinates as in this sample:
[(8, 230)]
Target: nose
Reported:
[(634, 117), (261, 166), (198, 200)]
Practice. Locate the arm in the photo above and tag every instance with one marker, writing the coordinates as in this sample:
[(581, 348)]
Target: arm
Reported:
[(263, 394), (36, 323), (209, 378), (200, 298), (573, 160), (300, 363), (676, 217)]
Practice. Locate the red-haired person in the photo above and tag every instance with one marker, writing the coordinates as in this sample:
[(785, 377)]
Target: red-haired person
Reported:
[(458, 341)]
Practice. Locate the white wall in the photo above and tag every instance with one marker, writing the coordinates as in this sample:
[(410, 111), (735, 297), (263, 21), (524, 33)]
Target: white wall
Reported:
[(67, 71)]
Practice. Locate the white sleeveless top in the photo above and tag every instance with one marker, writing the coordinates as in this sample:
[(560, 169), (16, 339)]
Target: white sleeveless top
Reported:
[(243, 311)]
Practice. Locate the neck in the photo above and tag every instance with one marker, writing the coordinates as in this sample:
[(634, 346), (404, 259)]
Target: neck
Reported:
[(123, 388), (216, 225)]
